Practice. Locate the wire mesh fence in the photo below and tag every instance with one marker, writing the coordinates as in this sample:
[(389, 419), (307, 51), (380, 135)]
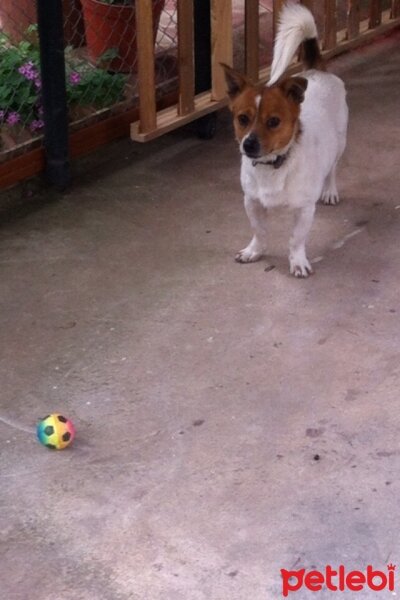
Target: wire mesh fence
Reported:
[(20, 87), (100, 64)]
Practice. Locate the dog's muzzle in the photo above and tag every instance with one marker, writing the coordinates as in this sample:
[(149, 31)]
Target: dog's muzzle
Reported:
[(251, 146)]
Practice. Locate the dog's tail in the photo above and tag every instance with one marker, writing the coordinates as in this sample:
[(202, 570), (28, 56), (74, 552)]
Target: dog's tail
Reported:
[(296, 27)]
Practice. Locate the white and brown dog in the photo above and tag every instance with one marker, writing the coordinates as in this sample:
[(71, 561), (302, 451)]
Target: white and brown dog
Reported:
[(291, 132)]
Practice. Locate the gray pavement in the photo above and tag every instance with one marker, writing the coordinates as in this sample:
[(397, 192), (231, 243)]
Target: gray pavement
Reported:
[(231, 420)]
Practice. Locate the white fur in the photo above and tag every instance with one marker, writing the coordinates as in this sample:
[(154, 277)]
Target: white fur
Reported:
[(308, 173), (296, 24)]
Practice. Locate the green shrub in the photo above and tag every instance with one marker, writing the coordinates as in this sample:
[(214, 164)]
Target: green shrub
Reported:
[(20, 82)]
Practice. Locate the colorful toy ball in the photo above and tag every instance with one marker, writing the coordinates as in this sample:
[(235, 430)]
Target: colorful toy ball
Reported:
[(55, 431)]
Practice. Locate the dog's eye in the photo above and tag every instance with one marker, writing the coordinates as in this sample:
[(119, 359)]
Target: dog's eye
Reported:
[(243, 120), (273, 122)]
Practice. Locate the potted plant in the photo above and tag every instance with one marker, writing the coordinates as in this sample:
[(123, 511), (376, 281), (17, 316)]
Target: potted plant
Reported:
[(111, 27)]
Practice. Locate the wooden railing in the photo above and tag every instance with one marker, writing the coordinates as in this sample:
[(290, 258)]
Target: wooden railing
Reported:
[(191, 106)]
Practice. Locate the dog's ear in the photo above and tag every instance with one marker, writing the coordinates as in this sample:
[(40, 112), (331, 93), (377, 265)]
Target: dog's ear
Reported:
[(294, 88), (235, 81)]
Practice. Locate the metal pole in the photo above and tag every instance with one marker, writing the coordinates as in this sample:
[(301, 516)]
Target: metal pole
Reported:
[(202, 45), (54, 98)]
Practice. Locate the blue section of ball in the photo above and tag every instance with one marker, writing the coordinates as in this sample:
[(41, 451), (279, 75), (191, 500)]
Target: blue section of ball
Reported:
[(41, 433)]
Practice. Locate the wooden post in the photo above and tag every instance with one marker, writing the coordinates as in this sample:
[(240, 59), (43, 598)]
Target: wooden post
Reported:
[(146, 75), (375, 14), (252, 39), (395, 12), (221, 44), (309, 4), (277, 4), (353, 19), (185, 57), (330, 25)]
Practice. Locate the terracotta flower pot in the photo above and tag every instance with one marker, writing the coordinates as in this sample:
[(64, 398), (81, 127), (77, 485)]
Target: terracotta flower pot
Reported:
[(17, 15), (113, 26)]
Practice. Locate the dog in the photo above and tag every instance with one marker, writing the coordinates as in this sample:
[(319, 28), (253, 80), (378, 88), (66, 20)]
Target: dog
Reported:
[(291, 134)]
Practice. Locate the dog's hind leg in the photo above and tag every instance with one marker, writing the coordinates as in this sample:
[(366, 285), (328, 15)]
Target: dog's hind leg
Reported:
[(299, 264), (330, 194), (257, 217)]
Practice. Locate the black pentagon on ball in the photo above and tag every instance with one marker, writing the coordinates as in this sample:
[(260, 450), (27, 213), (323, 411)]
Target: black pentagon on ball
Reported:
[(62, 419), (66, 436), (51, 446), (49, 430)]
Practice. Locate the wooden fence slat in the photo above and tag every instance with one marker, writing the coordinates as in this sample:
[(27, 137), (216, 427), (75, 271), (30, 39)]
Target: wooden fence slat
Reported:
[(185, 56), (221, 44), (375, 14), (309, 4), (330, 24), (395, 13), (168, 119), (146, 75), (353, 19), (252, 39)]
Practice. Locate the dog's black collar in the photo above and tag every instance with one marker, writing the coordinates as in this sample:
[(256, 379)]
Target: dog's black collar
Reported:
[(276, 163)]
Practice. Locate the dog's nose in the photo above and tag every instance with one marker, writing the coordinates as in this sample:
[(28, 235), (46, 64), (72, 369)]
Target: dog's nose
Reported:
[(251, 146)]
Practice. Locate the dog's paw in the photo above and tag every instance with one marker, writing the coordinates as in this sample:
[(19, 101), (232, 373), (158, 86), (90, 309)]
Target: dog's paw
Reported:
[(300, 268), (248, 255), (330, 197)]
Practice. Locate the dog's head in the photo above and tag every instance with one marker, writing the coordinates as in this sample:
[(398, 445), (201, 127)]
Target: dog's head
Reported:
[(266, 119)]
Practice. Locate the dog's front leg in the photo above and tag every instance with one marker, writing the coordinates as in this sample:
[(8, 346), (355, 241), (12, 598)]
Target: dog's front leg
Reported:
[(299, 265), (257, 217)]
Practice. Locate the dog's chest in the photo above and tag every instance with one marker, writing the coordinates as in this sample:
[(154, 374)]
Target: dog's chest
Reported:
[(268, 185)]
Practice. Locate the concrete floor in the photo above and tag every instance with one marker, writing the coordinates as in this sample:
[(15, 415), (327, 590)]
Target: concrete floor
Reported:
[(202, 390)]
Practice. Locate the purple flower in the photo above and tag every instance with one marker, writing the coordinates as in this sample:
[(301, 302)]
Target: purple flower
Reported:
[(74, 78), (36, 125), (29, 71), (38, 83), (13, 118)]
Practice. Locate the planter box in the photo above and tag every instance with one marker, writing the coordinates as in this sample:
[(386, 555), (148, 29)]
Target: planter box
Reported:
[(113, 27)]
